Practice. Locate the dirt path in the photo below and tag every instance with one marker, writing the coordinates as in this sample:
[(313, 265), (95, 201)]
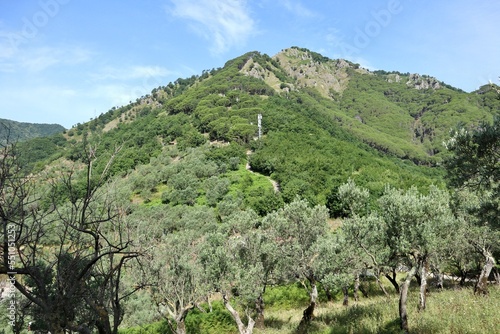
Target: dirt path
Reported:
[(275, 184)]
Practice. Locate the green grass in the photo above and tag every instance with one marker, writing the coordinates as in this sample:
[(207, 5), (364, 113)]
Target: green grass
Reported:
[(243, 180), (449, 311)]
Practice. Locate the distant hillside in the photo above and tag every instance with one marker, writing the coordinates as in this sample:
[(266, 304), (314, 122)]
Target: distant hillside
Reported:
[(20, 131)]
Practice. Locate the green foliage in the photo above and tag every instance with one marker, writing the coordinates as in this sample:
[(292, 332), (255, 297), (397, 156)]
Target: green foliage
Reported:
[(314, 55), (416, 224), (403, 121), (286, 297), (37, 150), (160, 327), (378, 133), (20, 131), (214, 322), (256, 190), (209, 322), (475, 164)]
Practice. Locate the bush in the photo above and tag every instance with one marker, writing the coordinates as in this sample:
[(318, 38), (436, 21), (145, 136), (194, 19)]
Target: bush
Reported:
[(160, 327), (215, 322)]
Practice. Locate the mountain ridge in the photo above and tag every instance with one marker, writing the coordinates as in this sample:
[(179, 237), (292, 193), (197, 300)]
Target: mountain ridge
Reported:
[(324, 121), (22, 131)]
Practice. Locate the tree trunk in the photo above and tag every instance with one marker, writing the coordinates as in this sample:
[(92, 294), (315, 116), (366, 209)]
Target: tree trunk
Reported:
[(308, 313), (53, 323), (259, 307), (182, 313), (393, 280), (328, 294), (496, 274), (482, 282), (423, 285), (181, 326), (418, 278), (82, 329), (439, 276), (403, 296), (236, 316), (345, 290), (463, 277), (356, 287), (56, 329), (379, 282)]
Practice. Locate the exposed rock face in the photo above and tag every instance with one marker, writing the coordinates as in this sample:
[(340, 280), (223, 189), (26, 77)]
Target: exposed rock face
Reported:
[(423, 82), (393, 78), (325, 76), (330, 77), (308, 69)]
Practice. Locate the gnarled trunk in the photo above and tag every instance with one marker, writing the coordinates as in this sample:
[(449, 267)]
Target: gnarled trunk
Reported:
[(393, 281), (345, 290), (403, 297), (439, 277), (482, 282), (248, 329), (180, 320), (496, 274), (356, 287), (181, 327), (328, 294), (381, 286), (423, 284), (259, 307), (308, 313)]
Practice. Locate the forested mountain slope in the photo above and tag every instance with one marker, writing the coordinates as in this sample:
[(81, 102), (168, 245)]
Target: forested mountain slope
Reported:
[(324, 121), (23, 131), (180, 180)]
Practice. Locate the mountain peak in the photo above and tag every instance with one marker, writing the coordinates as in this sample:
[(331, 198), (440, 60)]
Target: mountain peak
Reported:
[(295, 68), (310, 69)]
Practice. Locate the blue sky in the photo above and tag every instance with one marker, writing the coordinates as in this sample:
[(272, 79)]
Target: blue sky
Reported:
[(67, 61)]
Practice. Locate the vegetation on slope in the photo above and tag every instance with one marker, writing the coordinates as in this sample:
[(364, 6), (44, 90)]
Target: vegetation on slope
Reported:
[(24, 131), (166, 177)]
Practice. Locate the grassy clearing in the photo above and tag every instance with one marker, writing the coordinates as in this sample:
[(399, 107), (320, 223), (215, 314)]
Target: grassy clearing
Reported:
[(449, 311)]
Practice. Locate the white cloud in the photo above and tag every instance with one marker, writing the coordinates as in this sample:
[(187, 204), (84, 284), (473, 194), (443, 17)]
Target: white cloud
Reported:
[(150, 75), (14, 59), (297, 8), (225, 23)]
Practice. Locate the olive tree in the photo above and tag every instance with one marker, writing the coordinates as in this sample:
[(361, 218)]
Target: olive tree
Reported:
[(64, 243), (239, 259), (175, 276), (337, 264), (475, 166), (363, 233), (416, 226), (296, 228)]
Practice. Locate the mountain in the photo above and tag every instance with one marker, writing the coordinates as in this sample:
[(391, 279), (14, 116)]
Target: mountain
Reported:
[(323, 121), (21, 131), (168, 179)]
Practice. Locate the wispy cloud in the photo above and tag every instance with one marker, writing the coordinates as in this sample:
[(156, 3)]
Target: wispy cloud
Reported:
[(225, 23), (297, 8), (37, 59), (130, 73)]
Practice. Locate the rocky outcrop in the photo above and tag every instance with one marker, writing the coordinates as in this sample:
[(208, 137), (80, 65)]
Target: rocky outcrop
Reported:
[(418, 81)]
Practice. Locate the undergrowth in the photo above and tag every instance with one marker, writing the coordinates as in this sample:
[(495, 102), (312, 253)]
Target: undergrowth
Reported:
[(449, 311)]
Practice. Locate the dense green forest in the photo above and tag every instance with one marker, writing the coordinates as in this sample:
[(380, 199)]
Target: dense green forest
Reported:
[(171, 214), (24, 131)]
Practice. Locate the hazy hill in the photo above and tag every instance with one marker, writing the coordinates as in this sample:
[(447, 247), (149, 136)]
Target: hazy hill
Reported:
[(324, 121), (22, 131)]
